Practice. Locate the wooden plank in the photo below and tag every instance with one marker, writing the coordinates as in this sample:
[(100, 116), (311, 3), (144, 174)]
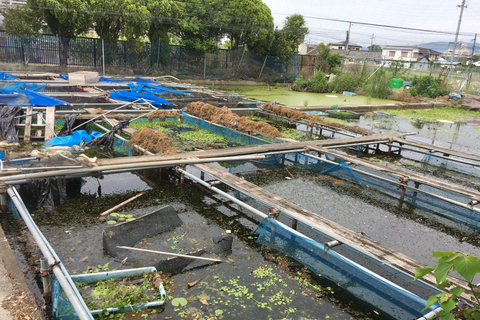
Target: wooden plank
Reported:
[(437, 148), (237, 151), (362, 243), (27, 133), (50, 118), (473, 194), (38, 132)]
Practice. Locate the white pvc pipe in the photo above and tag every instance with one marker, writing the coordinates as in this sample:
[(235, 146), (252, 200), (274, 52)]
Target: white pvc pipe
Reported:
[(431, 314), (77, 302)]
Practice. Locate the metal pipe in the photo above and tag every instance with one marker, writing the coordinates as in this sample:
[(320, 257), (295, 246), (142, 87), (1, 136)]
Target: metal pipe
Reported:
[(398, 184), (433, 150), (46, 281), (355, 144), (139, 166), (40, 168), (432, 314), (76, 300)]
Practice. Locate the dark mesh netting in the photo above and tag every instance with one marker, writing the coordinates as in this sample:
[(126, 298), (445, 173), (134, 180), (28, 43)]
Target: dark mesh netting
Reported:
[(44, 193), (130, 233)]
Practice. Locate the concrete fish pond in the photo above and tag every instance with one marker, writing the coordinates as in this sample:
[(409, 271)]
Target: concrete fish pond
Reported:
[(264, 212), (255, 283)]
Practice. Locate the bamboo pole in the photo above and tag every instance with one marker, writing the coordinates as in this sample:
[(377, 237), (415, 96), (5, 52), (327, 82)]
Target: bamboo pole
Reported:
[(172, 254), (121, 204)]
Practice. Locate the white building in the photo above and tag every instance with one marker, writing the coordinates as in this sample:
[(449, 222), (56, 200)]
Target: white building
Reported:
[(406, 54), (7, 3)]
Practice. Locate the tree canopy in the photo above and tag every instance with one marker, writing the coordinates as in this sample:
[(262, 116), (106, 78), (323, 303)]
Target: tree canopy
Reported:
[(326, 61), (197, 25), (374, 47)]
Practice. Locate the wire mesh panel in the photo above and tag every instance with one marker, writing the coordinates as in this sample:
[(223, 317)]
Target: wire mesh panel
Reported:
[(433, 160)]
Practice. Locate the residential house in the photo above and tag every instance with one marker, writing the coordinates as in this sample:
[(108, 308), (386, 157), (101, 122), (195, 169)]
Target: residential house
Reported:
[(412, 56), (341, 46)]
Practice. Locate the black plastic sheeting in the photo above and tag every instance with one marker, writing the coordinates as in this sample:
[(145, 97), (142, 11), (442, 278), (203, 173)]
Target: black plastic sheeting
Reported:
[(7, 125), (44, 193), (107, 139), (68, 126)]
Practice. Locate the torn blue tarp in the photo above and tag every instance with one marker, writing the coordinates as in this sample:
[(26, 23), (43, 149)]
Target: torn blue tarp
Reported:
[(105, 79), (63, 76), (21, 86), (73, 140), (145, 87), (133, 96), (37, 99), (139, 79), (7, 76), (13, 99)]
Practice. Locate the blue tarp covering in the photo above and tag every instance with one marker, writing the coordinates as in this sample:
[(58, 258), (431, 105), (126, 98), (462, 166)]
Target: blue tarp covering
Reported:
[(37, 99), (105, 79), (63, 76), (139, 79), (132, 96), (7, 76), (75, 139), (145, 87), (2, 155), (22, 86), (13, 99)]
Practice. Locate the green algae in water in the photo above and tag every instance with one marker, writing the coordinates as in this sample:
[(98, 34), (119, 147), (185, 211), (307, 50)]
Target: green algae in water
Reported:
[(296, 99), (443, 113), (202, 136)]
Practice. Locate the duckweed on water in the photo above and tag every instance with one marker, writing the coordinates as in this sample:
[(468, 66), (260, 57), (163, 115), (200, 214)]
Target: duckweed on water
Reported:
[(443, 113), (292, 133), (202, 136)]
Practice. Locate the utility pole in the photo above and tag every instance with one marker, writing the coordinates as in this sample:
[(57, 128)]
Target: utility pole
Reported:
[(469, 74), (456, 36), (371, 43), (346, 46)]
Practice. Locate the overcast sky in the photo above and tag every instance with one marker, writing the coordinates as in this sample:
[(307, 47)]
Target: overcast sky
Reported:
[(439, 15)]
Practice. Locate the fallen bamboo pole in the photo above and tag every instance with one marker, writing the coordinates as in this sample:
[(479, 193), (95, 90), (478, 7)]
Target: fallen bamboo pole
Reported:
[(172, 254), (121, 204)]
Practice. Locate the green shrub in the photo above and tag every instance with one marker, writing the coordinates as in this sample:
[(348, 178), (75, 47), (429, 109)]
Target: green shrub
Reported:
[(345, 82), (378, 86), (300, 83), (318, 83), (427, 86)]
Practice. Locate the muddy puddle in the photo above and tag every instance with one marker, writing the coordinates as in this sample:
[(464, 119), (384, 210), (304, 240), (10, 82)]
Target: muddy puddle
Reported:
[(256, 284)]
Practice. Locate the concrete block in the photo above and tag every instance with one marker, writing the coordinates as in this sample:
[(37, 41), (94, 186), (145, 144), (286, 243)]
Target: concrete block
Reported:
[(83, 77)]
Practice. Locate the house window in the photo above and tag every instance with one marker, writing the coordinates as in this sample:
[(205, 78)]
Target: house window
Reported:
[(391, 53), (415, 55), (340, 48), (404, 54)]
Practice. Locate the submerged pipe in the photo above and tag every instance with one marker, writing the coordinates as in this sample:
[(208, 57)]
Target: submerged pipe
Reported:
[(63, 278)]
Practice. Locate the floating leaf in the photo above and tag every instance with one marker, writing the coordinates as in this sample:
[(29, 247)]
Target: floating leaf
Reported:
[(114, 214), (205, 302), (218, 312), (179, 302), (130, 219), (111, 221)]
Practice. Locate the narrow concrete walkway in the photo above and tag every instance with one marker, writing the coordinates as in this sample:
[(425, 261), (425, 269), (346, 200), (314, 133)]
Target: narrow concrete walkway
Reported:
[(6, 287)]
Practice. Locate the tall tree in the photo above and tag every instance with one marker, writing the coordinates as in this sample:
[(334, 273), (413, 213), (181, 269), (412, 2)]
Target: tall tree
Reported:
[(25, 23), (374, 47), (65, 18), (326, 61), (248, 22), (287, 39), (165, 15)]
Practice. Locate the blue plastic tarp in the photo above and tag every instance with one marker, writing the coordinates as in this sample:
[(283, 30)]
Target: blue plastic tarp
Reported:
[(22, 86), (73, 140), (37, 99), (133, 96), (63, 76), (145, 87), (7, 76), (139, 79), (2, 155), (13, 99)]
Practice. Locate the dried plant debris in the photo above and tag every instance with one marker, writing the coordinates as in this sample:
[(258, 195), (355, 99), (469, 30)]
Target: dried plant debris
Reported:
[(295, 115), (227, 118), (153, 141), (22, 305), (162, 115)]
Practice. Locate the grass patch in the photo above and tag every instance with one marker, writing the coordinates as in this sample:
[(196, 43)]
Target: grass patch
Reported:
[(443, 113), (341, 121)]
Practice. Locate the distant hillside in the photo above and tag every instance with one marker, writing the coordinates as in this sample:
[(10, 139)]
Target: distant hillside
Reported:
[(443, 46)]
